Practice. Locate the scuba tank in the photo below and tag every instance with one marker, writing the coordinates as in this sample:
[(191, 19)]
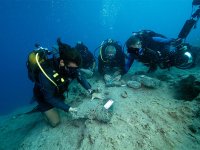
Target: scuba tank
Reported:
[(31, 62)]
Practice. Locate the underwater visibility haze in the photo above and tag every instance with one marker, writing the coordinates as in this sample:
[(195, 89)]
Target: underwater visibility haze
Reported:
[(25, 22)]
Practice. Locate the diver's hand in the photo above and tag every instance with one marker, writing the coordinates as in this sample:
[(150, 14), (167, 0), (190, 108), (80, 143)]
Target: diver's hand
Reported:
[(97, 96), (177, 42), (183, 48), (71, 109)]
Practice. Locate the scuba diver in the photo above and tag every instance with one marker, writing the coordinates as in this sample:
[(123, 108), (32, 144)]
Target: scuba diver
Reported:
[(157, 50), (153, 50), (52, 77), (88, 60), (111, 62)]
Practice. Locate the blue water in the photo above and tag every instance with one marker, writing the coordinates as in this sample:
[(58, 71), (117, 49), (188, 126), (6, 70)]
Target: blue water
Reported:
[(24, 22)]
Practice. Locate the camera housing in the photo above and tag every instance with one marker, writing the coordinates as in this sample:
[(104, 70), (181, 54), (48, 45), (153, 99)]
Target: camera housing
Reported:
[(196, 2)]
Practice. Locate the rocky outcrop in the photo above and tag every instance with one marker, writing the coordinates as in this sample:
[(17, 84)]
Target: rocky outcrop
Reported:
[(138, 80)]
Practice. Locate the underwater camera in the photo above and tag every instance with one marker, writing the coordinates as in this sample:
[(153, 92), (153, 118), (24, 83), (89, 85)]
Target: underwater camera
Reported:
[(196, 2), (186, 28), (190, 23)]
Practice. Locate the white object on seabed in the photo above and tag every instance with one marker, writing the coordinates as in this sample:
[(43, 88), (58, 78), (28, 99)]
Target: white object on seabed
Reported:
[(108, 104)]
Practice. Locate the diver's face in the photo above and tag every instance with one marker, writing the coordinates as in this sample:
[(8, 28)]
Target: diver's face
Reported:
[(72, 64), (70, 70), (62, 64), (135, 48), (110, 56), (138, 44)]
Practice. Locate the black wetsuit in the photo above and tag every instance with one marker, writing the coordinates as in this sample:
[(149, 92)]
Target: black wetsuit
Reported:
[(47, 94), (155, 51), (87, 57), (106, 65), (149, 58)]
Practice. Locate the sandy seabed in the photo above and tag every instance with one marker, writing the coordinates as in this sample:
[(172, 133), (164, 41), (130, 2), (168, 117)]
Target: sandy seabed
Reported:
[(147, 119)]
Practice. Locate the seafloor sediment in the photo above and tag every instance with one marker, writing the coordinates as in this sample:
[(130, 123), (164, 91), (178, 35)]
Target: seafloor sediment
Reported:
[(148, 118)]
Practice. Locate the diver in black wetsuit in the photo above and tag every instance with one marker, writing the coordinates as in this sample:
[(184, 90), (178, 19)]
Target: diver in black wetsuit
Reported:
[(153, 50), (111, 62), (88, 60), (53, 80)]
